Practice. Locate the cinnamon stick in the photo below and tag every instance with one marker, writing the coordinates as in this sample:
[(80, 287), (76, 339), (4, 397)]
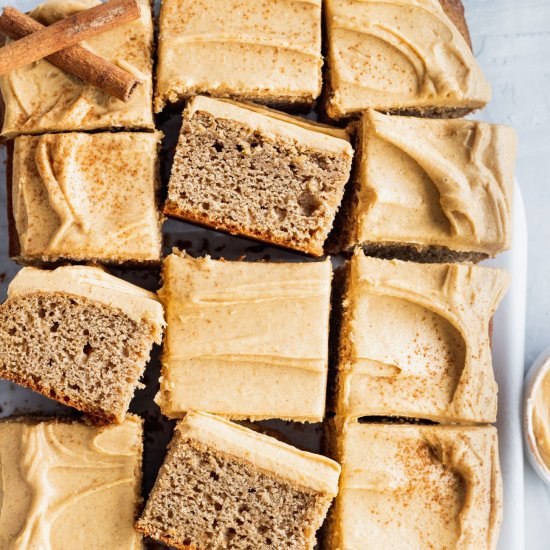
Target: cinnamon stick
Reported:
[(35, 41)]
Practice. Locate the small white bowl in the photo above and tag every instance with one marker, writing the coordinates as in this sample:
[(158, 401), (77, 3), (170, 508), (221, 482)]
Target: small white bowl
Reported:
[(532, 381)]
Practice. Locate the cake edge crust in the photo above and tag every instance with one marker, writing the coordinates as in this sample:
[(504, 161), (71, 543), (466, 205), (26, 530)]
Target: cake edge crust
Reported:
[(172, 209)]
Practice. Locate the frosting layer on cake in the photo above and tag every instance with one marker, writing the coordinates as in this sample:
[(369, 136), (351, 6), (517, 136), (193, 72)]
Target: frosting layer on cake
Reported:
[(305, 469), (94, 284), (275, 124), (87, 196), (399, 55), (245, 339), (64, 484), (415, 340), (42, 98), (417, 487), (268, 50)]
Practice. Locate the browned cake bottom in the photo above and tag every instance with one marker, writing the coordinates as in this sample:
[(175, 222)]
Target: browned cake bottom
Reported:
[(206, 500), (175, 101), (432, 112), (45, 261), (421, 254), (227, 176), (79, 352), (343, 234)]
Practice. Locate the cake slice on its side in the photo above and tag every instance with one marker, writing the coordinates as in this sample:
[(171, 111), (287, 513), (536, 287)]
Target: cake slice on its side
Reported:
[(415, 486), (226, 486), (258, 173), (405, 57), (80, 336), (66, 484), (428, 190)]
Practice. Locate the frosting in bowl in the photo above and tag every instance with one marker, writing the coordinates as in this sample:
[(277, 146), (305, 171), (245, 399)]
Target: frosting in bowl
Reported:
[(541, 419), (540, 416)]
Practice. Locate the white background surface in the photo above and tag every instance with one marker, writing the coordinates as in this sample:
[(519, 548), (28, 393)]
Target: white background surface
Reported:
[(511, 39)]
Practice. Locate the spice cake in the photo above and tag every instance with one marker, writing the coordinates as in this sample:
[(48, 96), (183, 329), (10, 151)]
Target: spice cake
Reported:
[(246, 340), (414, 340), (259, 173), (404, 56), (40, 97), (415, 486), (80, 336), (66, 484), (267, 51), (225, 486), (86, 197), (429, 190)]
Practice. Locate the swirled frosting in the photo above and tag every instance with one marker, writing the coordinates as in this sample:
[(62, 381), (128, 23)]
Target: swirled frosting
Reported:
[(425, 182), (87, 196), (540, 417), (94, 284), (268, 50), (415, 340), (245, 339), (308, 470), (397, 55), (406, 486), (39, 97), (64, 484)]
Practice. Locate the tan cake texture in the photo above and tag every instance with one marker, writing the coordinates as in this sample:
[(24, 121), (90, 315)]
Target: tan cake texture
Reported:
[(245, 340), (415, 486), (66, 484), (78, 335), (267, 51), (258, 173), (40, 97), (415, 342), (83, 196), (225, 486), (429, 190), (406, 56)]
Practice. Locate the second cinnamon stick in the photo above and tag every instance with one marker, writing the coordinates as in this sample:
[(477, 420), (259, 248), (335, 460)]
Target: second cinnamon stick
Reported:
[(75, 60)]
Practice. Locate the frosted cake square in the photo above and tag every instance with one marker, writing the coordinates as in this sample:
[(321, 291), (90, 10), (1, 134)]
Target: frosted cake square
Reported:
[(78, 196), (267, 51), (245, 339), (414, 486), (415, 340), (40, 97)]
